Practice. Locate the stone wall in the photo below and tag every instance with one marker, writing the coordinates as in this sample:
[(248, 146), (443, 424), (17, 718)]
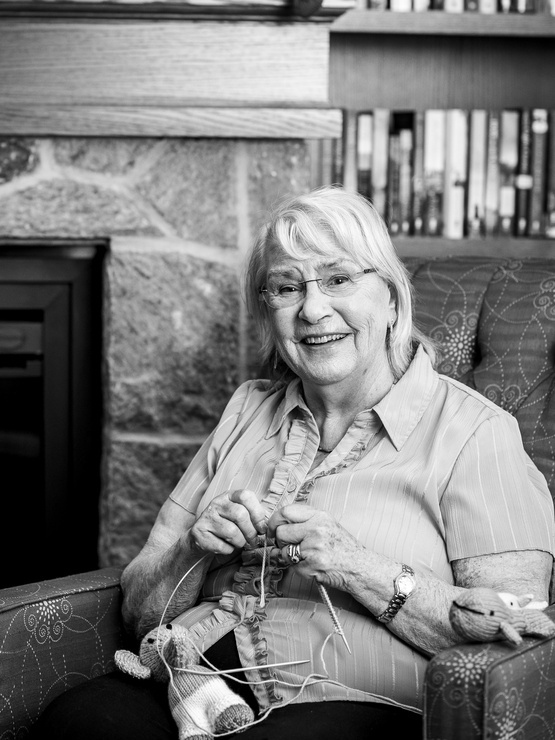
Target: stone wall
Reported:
[(180, 215)]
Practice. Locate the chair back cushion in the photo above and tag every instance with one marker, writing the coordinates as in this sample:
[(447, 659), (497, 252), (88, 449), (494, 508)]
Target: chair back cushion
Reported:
[(494, 323)]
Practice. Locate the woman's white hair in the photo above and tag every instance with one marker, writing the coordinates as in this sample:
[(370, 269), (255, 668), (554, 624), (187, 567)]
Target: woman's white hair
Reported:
[(307, 224)]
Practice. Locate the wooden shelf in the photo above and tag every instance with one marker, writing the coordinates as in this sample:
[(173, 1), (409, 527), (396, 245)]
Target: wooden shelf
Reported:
[(437, 247), (445, 24), (416, 61), (236, 10)]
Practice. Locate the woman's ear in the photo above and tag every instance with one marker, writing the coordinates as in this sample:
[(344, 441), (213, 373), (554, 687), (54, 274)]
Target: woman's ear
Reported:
[(392, 307)]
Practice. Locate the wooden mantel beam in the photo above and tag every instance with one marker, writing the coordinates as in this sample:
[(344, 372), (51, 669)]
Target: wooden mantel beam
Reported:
[(199, 122), (165, 77), (166, 63)]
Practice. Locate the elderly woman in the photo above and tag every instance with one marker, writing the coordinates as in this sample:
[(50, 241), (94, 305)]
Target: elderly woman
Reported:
[(358, 469)]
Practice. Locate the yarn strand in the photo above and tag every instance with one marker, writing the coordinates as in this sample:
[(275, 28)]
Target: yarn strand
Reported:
[(310, 680)]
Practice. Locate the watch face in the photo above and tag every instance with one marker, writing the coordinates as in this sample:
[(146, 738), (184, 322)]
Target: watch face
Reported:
[(405, 584)]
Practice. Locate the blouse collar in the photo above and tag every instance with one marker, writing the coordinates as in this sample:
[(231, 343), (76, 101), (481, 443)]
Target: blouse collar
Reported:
[(399, 411)]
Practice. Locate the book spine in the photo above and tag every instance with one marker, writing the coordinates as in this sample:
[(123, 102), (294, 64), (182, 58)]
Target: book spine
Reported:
[(393, 184), (364, 154), (536, 219), (380, 147), (406, 139), (523, 182), (508, 163), (487, 6), (400, 6), (418, 175), (420, 6), (434, 168), (456, 138), (525, 6), (327, 161), (320, 172), (477, 155), (544, 6), (337, 161), (550, 212), (492, 176)]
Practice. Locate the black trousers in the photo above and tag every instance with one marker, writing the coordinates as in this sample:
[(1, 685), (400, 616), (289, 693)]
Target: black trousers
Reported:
[(119, 707)]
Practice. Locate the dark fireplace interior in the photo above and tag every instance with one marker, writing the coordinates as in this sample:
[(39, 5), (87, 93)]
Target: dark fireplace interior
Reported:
[(50, 407)]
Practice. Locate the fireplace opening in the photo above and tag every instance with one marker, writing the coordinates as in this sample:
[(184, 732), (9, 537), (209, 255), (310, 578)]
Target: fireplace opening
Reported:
[(50, 407)]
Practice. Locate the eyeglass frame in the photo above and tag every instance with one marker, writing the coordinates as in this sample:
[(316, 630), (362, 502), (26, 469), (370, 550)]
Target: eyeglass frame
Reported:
[(262, 291)]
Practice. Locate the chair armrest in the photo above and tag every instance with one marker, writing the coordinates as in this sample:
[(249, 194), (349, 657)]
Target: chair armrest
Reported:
[(54, 635), (492, 690)]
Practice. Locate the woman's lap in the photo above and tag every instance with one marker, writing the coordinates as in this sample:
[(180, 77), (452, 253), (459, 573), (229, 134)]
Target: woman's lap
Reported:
[(118, 707)]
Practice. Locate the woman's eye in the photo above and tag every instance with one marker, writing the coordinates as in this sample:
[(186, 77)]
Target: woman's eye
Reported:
[(288, 288), (338, 280)]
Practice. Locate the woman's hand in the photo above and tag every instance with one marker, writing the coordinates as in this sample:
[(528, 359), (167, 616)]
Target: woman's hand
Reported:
[(230, 521), (328, 552)]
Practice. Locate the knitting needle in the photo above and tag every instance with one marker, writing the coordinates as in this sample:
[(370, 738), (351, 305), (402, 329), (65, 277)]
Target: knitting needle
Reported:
[(249, 667), (336, 623), (323, 593)]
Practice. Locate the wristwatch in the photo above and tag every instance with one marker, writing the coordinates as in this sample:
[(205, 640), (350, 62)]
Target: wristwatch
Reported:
[(405, 584)]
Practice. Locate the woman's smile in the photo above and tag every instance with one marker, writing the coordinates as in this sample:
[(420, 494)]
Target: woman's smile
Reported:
[(319, 339)]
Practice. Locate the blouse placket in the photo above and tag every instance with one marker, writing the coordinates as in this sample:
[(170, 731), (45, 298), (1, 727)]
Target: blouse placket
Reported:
[(292, 482)]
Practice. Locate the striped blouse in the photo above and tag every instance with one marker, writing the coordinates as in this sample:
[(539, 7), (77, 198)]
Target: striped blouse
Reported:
[(433, 473)]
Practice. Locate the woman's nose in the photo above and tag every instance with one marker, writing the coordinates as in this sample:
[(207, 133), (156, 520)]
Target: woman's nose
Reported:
[(315, 305)]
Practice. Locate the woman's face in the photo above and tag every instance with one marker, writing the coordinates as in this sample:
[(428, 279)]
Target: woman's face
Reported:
[(333, 339)]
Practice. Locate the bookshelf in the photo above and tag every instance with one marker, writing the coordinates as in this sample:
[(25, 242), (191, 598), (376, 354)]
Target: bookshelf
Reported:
[(437, 60), (415, 61)]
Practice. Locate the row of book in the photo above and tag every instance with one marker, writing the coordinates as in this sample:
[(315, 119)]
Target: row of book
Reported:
[(462, 6), (458, 173)]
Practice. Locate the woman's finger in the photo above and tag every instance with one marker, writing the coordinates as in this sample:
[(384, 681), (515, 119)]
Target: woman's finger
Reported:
[(221, 538), (229, 517), (256, 511), (291, 514)]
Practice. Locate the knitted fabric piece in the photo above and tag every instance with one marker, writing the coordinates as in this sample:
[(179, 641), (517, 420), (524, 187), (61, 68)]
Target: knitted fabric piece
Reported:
[(480, 614), (205, 702), (129, 663), (201, 703)]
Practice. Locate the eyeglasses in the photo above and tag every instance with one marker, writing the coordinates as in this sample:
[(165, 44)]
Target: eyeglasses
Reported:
[(281, 293)]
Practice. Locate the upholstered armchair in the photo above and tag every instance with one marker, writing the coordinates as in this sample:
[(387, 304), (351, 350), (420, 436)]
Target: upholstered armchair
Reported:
[(495, 322)]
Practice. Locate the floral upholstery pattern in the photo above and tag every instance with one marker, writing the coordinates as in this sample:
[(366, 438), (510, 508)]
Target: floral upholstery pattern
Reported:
[(54, 635), (494, 323)]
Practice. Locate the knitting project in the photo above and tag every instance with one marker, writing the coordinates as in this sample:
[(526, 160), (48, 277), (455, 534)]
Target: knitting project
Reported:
[(202, 705), (482, 615)]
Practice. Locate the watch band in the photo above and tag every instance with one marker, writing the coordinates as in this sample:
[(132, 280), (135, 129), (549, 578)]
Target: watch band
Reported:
[(397, 601)]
